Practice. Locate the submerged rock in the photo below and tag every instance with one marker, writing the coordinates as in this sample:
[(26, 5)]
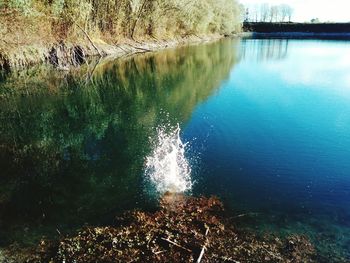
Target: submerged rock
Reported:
[(184, 229)]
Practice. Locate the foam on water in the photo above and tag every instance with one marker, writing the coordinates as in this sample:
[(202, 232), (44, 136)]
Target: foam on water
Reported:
[(167, 167)]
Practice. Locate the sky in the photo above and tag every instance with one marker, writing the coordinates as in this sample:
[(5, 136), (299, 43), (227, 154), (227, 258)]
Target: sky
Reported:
[(305, 10)]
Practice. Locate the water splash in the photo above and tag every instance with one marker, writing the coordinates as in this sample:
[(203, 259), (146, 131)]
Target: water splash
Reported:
[(167, 167)]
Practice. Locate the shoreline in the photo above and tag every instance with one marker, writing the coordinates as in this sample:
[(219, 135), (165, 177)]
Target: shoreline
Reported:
[(291, 30), (297, 35), (273, 27), (64, 56)]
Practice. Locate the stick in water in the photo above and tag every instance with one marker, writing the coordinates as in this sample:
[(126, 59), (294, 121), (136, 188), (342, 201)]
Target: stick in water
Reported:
[(203, 248), (175, 244)]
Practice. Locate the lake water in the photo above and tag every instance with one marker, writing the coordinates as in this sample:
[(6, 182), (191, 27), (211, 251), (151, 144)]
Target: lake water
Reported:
[(265, 125)]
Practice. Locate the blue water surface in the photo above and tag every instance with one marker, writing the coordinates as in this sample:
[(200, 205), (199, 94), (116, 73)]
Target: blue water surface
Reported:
[(275, 138)]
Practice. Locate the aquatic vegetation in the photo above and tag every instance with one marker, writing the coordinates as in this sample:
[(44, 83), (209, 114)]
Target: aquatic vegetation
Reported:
[(184, 229)]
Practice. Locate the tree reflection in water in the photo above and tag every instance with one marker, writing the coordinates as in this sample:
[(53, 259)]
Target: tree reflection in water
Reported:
[(73, 145)]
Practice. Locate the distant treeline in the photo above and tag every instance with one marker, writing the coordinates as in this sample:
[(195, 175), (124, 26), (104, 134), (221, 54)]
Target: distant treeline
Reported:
[(268, 13), (116, 19), (261, 27)]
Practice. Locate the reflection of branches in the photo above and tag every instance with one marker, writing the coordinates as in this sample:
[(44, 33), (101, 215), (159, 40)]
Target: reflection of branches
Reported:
[(264, 49), (91, 73), (80, 120)]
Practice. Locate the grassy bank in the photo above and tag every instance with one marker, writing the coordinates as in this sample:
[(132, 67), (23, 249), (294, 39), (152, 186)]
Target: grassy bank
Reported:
[(64, 32)]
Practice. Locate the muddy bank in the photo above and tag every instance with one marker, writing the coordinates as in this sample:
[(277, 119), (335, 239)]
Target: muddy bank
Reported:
[(184, 229), (64, 55)]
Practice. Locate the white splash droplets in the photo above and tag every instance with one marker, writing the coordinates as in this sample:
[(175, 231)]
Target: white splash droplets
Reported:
[(167, 167)]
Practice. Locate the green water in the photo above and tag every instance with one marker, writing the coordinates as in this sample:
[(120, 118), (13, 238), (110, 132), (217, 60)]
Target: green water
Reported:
[(73, 144)]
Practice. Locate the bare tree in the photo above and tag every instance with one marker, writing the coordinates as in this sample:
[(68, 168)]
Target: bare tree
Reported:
[(264, 12), (256, 13), (283, 12), (273, 13), (289, 11), (246, 17)]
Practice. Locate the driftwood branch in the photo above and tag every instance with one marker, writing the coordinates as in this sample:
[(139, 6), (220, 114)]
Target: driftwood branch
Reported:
[(203, 248), (159, 252), (175, 244), (92, 43), (58, 231), (140, 48), (126, 51), (225, 259), (273, 255), (247, 214)]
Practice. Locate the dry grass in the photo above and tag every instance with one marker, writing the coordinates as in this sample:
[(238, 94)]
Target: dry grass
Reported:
[(43, 22)]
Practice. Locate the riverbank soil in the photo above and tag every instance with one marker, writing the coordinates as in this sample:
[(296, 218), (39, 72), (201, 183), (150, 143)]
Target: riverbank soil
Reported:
[(184, 229)]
